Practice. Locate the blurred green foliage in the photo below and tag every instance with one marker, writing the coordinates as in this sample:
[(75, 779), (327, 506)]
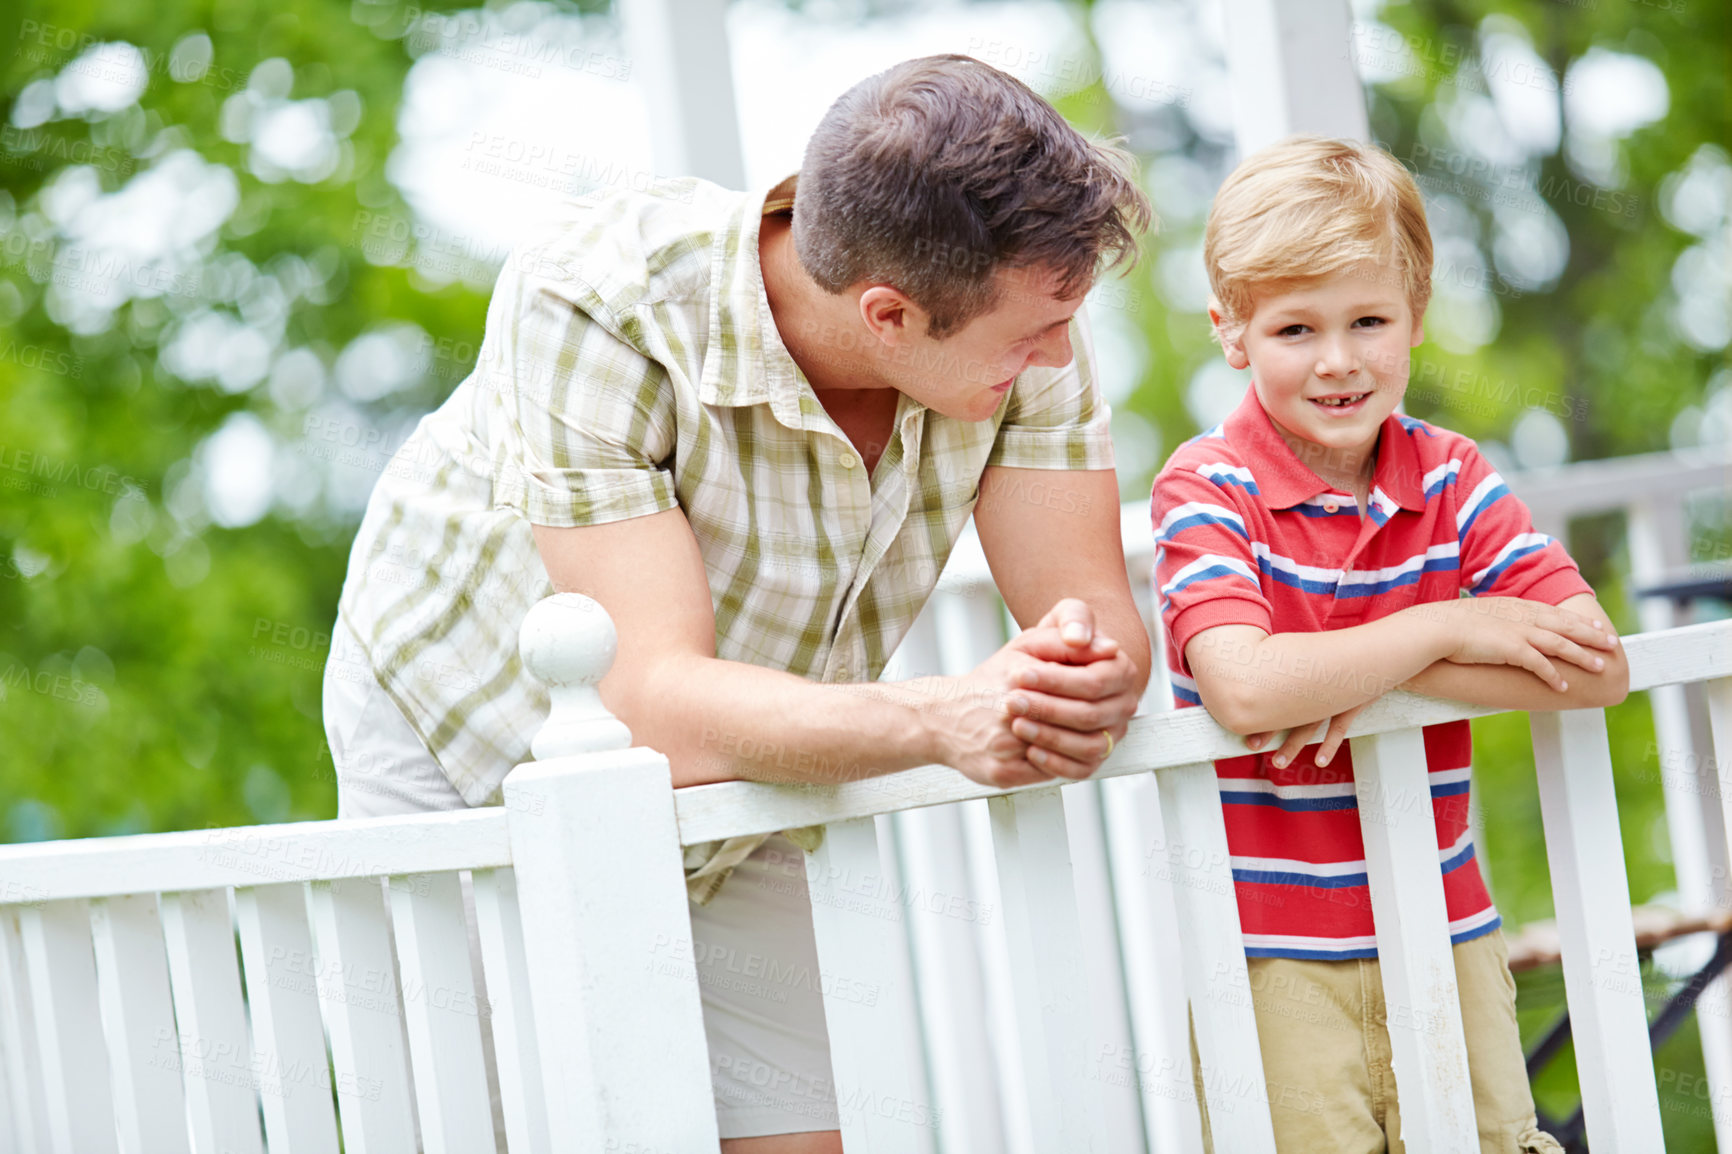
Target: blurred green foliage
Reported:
[(160, 671)]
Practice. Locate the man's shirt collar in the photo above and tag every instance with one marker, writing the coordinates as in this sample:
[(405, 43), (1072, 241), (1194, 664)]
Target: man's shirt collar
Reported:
[(746, 362), (1283, 480)]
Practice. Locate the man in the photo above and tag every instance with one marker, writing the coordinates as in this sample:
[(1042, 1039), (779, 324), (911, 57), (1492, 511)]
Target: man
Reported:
[(752, 426)]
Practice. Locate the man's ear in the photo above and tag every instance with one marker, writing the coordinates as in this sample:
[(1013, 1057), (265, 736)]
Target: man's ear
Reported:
[(890, 316), (1234, 348)]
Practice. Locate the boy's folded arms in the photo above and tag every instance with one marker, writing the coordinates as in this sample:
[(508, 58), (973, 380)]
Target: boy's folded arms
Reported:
[(1492, 651)]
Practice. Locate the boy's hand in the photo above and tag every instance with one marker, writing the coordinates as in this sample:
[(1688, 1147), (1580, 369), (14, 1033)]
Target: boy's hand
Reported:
[(1510, 631), (1331, 732)]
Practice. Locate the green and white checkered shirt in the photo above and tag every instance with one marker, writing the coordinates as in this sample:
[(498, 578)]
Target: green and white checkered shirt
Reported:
[(631, 365)]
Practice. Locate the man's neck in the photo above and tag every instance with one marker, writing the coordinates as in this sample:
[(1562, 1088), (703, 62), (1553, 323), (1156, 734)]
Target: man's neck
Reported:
[(821, 331)]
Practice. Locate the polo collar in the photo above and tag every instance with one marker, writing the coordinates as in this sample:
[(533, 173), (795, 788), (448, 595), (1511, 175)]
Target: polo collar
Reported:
[(746, 362), (1283, 480)]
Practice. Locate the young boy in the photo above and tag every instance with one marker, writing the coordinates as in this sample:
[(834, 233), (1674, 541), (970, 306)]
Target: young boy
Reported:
[(1313, 550)]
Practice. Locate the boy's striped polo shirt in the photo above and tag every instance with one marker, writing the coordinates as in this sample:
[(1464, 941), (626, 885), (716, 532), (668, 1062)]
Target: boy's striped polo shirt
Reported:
[(1245, 534)]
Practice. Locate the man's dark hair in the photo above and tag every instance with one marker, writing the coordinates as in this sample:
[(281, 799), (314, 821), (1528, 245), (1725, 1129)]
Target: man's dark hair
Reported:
[(933, 175)]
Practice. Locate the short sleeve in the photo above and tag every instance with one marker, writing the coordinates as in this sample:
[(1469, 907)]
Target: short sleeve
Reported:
[(583, 423), (1057, 418), (1501, 553), (1205, 570)]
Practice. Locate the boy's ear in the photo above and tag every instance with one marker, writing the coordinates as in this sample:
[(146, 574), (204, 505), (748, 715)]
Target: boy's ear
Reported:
[(1234, 348)]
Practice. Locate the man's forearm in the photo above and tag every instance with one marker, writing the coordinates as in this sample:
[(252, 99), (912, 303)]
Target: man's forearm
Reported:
[(1116, 617), (721, 720)]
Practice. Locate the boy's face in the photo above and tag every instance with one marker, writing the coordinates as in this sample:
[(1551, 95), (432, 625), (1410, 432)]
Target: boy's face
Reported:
[(1330, 362)]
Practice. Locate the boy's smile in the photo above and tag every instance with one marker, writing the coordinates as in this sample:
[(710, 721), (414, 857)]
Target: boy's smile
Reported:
[(1330, 361)]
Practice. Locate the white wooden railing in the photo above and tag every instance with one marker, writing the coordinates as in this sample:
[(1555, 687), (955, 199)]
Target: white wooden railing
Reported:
[(128, 1022)]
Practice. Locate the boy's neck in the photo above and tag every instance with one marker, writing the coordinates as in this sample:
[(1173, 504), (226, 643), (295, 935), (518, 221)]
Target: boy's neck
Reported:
[(1345, 470)]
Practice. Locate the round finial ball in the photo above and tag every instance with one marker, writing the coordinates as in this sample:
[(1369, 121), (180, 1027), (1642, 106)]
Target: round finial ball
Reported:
[(567, 639)]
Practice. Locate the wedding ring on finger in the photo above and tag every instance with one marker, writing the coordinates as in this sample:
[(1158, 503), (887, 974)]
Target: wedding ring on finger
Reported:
[(1108, 734)]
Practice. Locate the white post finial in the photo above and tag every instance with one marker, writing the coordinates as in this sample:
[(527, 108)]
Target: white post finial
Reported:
[(568, 642)]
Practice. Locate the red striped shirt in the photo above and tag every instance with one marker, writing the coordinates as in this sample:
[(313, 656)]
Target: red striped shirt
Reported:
[(1245, 534)]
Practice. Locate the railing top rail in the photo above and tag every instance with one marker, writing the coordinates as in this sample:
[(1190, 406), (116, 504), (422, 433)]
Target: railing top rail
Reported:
[(1162, 741), (253, 855), (1614, 482), (1580, 487), (479, 838)]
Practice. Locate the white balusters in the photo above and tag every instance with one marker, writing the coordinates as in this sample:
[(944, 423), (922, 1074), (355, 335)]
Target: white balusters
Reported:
[(282, 994), (1591, 893), (1426, 1041), (968, 626), (442, 1014), (1719, 694), (1047, 969), (582, 921), (357, 991), (869, 1011), (1219, 984), (1108, 1026), (1159, 1066), (216, 1057), (1713, 774), (132, 976), (947, 936), (515, 1049), (27, 1109), (602, 891), (74, 1058)]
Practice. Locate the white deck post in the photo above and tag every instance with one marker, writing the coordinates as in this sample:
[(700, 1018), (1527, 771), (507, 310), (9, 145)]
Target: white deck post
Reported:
[(1602, 973), (1657, 537), (1426, 1041), (607, 934), (680, 63), (1293, 70)]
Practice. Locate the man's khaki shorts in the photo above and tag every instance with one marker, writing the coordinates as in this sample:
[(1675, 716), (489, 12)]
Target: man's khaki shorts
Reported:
[(1323, 1029), (752, 946)]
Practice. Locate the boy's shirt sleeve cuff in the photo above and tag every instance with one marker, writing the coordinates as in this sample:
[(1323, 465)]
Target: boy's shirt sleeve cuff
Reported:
[(1553, 589), (1210, 614)]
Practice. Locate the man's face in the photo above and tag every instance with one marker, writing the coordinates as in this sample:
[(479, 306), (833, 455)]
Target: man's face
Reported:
[(1330, 361), (967, 374)]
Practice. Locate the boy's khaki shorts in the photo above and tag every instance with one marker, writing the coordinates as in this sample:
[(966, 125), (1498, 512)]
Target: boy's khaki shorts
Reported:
[(1322, 1027)]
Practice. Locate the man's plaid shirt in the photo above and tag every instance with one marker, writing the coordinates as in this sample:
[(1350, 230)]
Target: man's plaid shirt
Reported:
[(631, 365)]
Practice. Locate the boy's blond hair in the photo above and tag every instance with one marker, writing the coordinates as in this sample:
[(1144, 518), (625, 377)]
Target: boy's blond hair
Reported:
[(1308, 208)]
